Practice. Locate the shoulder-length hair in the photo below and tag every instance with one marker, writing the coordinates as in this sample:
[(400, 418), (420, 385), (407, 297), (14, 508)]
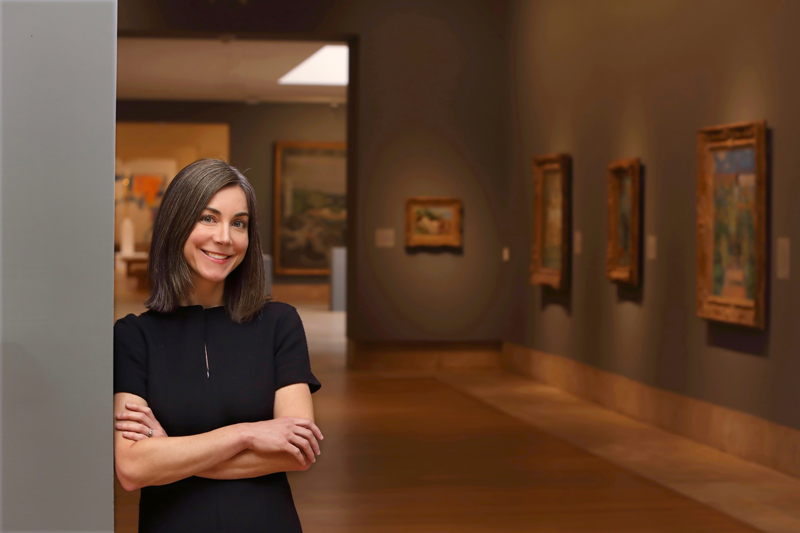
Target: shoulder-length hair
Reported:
[(171, 279)]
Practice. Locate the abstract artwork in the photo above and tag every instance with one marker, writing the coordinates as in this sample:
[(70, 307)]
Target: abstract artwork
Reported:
[(622, 247), (732, 223), (310, 205), (433, 222), (551, 184)]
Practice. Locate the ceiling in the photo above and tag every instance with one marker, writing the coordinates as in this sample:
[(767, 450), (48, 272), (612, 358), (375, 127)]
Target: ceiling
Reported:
[(216, 69)]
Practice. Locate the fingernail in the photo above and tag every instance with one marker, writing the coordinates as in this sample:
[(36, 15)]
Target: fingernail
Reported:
[(119, 425)]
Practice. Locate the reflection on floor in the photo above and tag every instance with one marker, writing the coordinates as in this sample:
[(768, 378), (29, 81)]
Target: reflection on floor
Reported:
[(494, 452)]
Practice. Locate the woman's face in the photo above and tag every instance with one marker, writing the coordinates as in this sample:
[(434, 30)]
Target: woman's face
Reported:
[(219, 240)]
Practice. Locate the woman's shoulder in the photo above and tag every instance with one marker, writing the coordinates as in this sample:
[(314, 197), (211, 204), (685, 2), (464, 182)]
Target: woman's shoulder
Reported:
[(275, 312), (275, 308)]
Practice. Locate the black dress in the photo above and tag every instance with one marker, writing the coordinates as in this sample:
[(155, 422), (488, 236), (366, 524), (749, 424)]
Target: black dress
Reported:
[(162, 358)]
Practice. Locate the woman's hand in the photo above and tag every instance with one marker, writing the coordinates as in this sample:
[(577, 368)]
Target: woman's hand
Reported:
[(142, 421), (297, 436)]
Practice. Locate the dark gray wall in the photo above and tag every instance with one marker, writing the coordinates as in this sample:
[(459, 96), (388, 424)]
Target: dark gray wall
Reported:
[(254, 130), (58, 71), (603, 80), (432, 113)]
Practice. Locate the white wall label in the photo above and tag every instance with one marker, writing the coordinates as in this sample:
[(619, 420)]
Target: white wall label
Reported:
[(783, 256), (506, 254), (652, 247), (577, 242), (384, 237)]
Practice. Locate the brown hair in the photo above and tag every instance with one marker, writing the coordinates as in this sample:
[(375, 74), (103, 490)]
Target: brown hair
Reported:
[(171, 279)]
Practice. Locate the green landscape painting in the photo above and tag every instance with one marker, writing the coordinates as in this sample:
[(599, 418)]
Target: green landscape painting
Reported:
[(552, 203), (624, 220), (312, 206), (734, 263)]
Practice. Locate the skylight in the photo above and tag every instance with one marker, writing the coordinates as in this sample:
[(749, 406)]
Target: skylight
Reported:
[(326, 66)]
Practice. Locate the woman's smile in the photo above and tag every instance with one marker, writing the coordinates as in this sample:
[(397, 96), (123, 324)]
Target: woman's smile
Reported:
[(217, 258)]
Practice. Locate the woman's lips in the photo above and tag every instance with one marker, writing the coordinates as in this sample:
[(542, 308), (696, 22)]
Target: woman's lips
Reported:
[(217, 258)]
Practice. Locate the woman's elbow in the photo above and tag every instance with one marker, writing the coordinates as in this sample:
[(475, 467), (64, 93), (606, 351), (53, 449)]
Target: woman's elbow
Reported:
[(127, 477)]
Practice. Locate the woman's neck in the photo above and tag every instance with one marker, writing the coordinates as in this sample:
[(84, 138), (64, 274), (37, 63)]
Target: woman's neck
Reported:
[(207, 294)]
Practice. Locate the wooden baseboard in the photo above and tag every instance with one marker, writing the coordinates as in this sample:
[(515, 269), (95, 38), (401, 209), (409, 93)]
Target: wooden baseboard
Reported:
[(740, 434), (425, 358)]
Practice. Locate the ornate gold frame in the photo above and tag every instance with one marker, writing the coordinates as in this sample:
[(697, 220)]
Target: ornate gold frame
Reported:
[(452, 240), (614, 271), (558, 279), (740, 311)]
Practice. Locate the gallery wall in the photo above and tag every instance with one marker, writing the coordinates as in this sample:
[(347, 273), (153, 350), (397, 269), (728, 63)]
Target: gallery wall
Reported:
[(432, 120), (612, 79), (254, 129)]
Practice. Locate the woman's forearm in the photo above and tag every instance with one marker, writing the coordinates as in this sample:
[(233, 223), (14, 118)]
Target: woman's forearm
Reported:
[(169, 459), (248, 464)]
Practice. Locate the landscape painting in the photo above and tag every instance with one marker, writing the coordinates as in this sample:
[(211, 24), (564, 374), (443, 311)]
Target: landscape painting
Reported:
[(433, 222), (622, 248), (551, 212), (552, 230), (734, 260), (310, 205), (624, 220), (732, 224)]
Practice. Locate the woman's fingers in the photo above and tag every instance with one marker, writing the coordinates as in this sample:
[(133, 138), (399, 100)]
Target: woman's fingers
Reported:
[(138, 417), (304, 446), (133, 436), (309, 436), (295, 451), (308, 424), (132, 427)]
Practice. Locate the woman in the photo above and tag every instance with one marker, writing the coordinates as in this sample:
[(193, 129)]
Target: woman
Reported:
[(212, 385)]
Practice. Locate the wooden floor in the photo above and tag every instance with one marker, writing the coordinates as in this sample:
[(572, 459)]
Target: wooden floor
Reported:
[(417, 454)]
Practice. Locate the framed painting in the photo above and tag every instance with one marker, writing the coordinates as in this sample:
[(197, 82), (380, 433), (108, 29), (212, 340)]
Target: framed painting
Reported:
[(433, 222), (732, 223), (551, 215), (622, 248), (310, 205)]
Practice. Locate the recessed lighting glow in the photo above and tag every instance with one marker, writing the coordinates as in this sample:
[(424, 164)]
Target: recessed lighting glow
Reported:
[(326, 66)]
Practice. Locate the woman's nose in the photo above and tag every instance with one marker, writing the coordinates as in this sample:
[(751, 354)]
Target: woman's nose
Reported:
[(222, 235)]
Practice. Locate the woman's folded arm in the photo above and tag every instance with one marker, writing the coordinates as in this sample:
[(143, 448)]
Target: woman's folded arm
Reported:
[(287, 443), (290, 401)]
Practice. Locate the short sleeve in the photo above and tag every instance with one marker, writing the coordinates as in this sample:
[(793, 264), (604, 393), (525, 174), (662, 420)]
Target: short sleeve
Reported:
[(130, 358), (292, 364)]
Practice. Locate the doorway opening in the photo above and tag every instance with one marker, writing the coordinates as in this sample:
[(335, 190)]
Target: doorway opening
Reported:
[(183, 99)]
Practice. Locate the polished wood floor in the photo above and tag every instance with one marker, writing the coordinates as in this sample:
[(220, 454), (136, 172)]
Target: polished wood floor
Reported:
[(416, 454)]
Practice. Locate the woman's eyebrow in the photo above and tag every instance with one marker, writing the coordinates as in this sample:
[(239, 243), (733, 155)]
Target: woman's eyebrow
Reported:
[(218, 212)]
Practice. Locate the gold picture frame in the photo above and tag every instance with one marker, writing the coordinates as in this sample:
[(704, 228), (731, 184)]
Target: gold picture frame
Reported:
[(732, 223), (551, 213), (622, 248), (310, 208), (433, 222)]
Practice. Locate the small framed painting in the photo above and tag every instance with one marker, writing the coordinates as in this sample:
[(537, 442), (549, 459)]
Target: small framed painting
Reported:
[(551, 213), (433, 222), (732, 223), (622, 248)]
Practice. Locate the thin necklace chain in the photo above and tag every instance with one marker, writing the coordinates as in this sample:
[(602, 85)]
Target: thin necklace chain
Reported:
[(208, 373)]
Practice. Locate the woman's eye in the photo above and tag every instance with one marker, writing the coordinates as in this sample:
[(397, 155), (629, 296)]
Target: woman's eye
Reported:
[(206, 218), (241, 224)]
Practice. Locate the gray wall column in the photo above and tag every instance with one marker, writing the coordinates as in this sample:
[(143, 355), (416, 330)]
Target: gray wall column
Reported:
[(58, 72)]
